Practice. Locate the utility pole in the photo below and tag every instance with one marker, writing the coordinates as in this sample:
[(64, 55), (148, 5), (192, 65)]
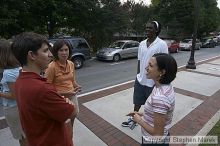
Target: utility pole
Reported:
[(191, 63)]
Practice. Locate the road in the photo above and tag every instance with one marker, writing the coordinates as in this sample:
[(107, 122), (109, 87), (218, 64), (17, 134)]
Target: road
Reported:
[(99, 74)]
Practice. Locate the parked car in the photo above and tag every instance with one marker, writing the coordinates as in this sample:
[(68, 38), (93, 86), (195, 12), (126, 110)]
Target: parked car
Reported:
[(208, 43), (80, 49), (173, 46), (1, 88), (217, 40), (118, 50), (186, 44)]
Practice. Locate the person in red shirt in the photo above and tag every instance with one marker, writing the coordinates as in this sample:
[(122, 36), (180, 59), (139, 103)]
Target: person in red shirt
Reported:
[(43, 112)]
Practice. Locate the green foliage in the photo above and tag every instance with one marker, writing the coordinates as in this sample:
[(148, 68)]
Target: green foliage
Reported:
[(209, 17), (215, 131), (140, 17), (99, 20), (179, 16), (13, 17)]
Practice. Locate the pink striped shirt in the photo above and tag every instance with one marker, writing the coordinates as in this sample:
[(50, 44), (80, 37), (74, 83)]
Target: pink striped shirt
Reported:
[(161, 100)]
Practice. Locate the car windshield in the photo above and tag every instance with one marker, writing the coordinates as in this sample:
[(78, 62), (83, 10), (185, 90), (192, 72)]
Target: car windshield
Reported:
[(186, 41), (116, 45), (206, 40)]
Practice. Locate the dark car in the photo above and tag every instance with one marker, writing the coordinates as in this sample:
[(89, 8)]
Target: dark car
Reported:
[(80, 49), (208, 43)]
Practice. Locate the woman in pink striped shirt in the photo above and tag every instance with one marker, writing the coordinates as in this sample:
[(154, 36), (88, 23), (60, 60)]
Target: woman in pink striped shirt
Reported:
[(156, 119)]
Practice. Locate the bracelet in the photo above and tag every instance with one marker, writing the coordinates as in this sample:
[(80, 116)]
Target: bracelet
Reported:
[(139, 121)]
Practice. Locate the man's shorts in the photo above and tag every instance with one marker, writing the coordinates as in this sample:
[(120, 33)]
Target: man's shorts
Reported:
[(141, 93)]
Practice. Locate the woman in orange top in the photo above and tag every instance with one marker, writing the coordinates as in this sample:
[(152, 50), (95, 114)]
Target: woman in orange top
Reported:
[(61, 73)]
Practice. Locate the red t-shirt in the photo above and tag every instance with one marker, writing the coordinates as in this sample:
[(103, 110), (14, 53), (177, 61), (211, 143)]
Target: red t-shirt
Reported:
[(42, 111)]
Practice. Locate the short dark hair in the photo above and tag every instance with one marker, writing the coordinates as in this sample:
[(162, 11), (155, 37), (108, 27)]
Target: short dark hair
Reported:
[(168, 63), (57, 46), (7, 58), (25, 42), (157, 26)]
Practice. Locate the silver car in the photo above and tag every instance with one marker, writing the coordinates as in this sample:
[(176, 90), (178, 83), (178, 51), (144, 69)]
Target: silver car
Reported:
[(118, 50), (186, 44)]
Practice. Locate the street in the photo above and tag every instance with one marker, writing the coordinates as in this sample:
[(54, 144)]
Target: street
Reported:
[(99, 74)]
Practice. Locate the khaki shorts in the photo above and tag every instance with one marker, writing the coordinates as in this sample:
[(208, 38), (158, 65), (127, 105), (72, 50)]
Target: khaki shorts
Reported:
[(75, 101), (13, 121)]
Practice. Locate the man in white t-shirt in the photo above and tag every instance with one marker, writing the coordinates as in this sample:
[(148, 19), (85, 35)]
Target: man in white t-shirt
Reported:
[(147, 48)]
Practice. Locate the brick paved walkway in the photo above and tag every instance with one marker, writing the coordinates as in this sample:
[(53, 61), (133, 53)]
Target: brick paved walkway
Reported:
[(191, 124)]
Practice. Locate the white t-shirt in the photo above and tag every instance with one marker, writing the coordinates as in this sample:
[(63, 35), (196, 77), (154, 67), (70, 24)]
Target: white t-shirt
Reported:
[(144, 55)]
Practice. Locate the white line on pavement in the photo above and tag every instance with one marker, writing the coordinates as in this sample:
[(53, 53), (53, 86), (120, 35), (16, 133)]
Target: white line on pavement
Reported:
[(133, 80), (105, 88), (202, 60)]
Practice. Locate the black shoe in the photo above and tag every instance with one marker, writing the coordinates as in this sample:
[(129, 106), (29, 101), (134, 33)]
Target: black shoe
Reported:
[(126, 123)]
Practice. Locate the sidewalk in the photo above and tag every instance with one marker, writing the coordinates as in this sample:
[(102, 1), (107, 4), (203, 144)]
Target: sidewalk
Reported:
[(101, 112)]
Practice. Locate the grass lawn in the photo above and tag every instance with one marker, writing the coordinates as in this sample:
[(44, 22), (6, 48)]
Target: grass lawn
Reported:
[(214, 132)]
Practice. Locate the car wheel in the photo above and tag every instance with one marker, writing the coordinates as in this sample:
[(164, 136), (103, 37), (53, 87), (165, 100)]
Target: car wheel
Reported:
[(116, 57), (78, 62)]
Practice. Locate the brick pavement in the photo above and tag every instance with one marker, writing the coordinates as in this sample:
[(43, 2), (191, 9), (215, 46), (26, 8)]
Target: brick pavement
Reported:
[(191, 124)]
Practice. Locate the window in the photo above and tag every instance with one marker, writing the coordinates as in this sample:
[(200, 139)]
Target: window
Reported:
[(128, 45), (74, 43), (79, 44), (116, 45), (134, 45), (82, 44)]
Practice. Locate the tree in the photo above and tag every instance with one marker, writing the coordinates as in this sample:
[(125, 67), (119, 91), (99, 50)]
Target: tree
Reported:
[(99, 20), (140, 17), (178, 16), (13, 17), (209, 17), (106, 20)]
